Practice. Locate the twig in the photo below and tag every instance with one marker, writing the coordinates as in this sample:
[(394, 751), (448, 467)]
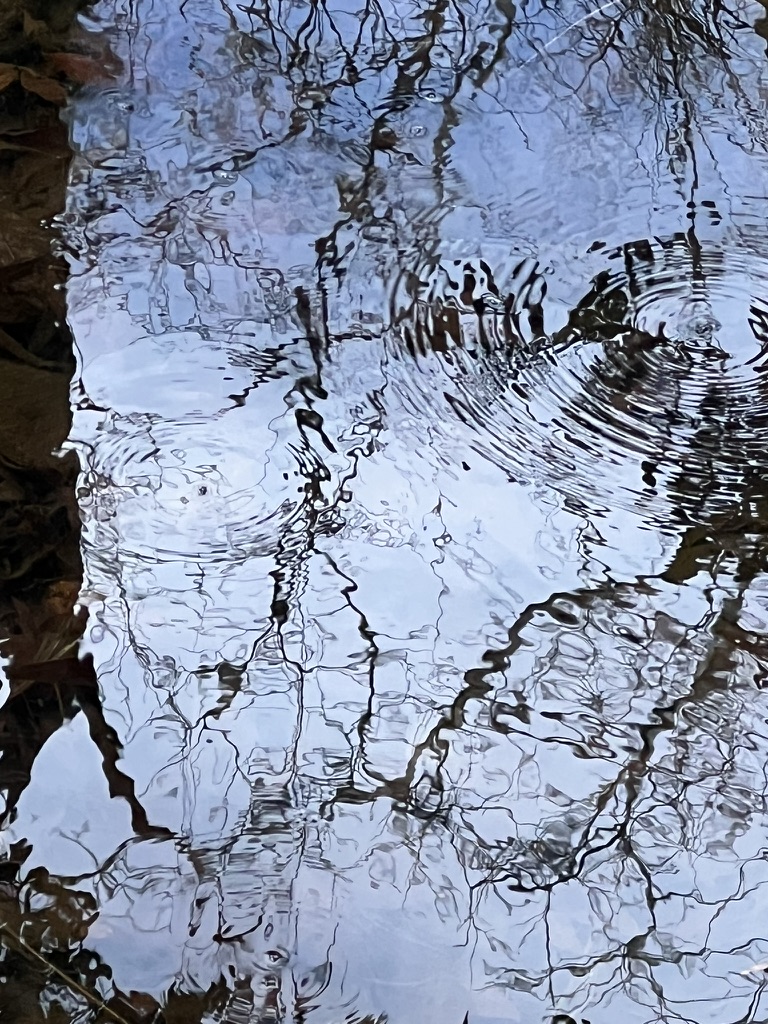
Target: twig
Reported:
[(574, 24), (100, 1004)]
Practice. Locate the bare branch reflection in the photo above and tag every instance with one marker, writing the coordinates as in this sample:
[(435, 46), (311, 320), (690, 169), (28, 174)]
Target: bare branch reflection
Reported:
[(419, 407)]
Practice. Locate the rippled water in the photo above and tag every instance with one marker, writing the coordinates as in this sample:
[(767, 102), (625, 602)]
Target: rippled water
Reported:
[(421, 407)]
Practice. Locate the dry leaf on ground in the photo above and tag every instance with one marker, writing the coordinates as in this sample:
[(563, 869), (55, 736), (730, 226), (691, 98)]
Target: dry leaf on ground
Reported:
[(46, 88), (9, 73), (78, 67)]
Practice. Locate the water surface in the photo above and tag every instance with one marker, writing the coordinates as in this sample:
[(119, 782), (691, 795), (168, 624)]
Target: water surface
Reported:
[(421, 412)]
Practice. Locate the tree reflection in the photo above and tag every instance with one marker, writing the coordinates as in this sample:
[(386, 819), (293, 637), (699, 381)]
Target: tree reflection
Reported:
[(350, 747)]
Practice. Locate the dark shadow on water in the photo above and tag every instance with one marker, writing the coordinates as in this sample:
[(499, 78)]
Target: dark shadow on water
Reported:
[(44, 682)]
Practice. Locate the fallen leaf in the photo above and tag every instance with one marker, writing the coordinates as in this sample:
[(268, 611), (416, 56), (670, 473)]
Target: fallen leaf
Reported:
[(77, 67), (8, 74), (62, 596), (46, 88), (34, 28)]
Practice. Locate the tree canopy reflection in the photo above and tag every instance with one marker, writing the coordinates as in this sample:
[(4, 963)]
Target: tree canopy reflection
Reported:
[(418, 407)]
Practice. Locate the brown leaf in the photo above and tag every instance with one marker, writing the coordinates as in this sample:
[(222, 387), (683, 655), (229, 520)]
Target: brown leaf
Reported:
[(46, 88), (78, 67), (61, 596), (34, 28), (8, 74)]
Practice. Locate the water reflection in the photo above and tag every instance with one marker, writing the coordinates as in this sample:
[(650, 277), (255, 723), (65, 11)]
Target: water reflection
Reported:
[(653, 389), (419, 406)]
